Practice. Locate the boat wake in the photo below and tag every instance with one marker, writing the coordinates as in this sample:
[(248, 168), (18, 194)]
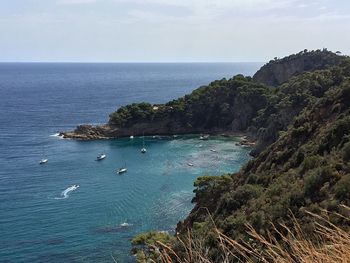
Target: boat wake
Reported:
[(65, 193)]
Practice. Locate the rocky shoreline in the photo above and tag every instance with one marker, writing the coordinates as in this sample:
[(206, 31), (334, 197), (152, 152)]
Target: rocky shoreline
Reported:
[(87, 132)]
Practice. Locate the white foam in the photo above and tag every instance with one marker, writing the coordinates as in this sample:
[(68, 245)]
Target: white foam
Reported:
[(57, 135), (65, 193), (125, 224)]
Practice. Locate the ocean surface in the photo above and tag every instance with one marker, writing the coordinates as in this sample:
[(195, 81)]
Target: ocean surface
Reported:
[(43, 216)]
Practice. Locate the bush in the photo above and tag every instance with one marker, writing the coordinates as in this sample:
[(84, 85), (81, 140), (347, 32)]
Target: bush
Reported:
[(316, 179), (346, 152), (342, 188), (239, 197), (310, 163)]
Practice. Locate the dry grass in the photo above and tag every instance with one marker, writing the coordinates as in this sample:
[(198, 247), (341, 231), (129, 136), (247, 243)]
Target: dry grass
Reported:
[(328, 244)]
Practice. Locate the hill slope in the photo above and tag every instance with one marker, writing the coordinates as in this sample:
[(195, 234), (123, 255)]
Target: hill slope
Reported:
[(305, 168)]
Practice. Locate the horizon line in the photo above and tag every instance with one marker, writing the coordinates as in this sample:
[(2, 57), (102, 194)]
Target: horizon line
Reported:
[(131, 62)]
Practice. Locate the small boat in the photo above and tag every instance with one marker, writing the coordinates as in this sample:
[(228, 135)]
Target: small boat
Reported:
[(143, 150), (43, 161), (122, 170), (75, 186), (100, 157), (131, 137), (204, 137), (190, 164), (125, 224), (213, 150)]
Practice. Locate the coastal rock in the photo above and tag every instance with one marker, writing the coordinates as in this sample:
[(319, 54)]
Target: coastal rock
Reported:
[(90, 132)]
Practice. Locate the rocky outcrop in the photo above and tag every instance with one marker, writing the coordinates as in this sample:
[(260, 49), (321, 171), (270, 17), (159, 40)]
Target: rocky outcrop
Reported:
[(279, 71), (89, 132)]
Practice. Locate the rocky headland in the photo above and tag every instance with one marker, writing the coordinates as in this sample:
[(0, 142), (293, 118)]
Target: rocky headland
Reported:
[(240, 105)]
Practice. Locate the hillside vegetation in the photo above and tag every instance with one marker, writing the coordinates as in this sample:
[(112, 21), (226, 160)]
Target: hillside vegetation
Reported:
[(302, 166), (236, 105), (239, 104)]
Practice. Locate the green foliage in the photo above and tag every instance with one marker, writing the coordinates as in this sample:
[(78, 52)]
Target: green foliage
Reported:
[(144, 244), (240, 196), (313, 182), (310, 162), (151, 238), (346, 152), (342, 188), (214, 106), (210, 186), (335, 136)]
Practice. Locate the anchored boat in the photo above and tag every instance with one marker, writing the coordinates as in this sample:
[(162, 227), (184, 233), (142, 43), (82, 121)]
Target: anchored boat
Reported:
[(101, 157), (43, 161), (143, 150)]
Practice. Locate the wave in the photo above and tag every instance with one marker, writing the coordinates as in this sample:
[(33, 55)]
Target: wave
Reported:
[(57, 135), (65, 193), (125, 224)]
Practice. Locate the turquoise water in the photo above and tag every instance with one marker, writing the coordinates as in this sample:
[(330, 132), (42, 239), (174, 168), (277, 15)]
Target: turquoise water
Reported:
[(41, 220), (154, 194)]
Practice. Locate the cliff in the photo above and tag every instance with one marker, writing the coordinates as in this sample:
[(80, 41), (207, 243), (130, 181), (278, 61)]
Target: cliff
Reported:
[(279, 71)]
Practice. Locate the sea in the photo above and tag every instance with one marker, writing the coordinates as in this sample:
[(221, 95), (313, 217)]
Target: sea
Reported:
[(77, 209)]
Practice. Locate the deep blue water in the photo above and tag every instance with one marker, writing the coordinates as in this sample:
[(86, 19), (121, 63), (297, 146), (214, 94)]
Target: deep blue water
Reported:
[(37, 224)]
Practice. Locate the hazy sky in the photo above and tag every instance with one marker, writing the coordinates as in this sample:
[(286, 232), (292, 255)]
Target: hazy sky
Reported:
[(163, 30)]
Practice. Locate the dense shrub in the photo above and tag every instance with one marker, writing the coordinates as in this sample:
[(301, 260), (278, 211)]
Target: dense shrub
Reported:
[(346, 152), (342, 188)]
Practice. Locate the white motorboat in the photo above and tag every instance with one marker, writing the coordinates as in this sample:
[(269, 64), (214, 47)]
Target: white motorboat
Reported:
[(122, 170), (190, 164), (43, 161)]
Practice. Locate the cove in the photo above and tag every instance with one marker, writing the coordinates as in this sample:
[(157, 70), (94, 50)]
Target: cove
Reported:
[(56, 222)]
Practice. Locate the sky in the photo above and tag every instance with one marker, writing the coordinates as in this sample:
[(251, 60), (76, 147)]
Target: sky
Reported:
[(169, 31)]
